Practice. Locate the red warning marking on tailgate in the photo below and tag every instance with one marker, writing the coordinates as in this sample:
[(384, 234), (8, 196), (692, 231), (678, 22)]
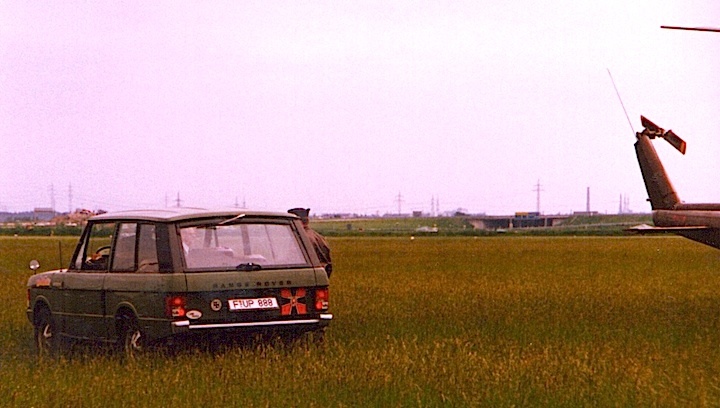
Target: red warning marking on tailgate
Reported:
[(294, 301)]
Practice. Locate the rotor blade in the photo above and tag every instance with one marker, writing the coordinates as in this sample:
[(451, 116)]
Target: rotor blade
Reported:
[(675, 141), (714, 30), (651, 129)]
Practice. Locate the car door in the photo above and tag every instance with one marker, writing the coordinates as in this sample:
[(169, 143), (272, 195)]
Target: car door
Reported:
[(139, 278), (83, 300)]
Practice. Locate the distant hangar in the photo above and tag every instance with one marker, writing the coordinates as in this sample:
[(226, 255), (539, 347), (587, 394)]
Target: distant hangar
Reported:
[(519, 220)]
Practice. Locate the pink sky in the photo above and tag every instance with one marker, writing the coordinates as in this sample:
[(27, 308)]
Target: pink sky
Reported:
[(340, 106)]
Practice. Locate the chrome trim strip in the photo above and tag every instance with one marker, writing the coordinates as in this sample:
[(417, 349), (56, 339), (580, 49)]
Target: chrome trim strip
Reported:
[(247, 324), (326, 316)]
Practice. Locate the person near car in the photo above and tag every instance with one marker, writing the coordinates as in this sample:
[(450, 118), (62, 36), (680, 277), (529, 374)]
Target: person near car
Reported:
[(320, 244)]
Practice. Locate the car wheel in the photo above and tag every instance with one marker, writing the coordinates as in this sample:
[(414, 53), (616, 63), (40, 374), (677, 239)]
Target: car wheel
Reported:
[(45, 335), (132, 339)]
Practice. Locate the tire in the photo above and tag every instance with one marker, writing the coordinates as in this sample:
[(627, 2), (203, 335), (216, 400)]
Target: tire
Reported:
[(132, 339), (46, 341)]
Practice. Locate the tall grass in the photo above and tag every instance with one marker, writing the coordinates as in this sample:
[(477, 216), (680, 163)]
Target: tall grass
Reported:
[(501, 321)]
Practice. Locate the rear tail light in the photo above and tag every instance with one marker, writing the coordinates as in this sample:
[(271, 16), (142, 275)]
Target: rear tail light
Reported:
[(175, 306), (322, 299)]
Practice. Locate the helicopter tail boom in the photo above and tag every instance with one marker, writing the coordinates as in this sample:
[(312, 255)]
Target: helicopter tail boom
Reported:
[(662, 195)]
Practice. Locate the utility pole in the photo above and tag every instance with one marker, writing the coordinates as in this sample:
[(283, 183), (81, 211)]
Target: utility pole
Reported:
[(52, 197), (70, 207), (399, 201), (538, 190), (177, 200)]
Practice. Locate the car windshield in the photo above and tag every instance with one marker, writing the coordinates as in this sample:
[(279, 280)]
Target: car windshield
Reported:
[(243, 246)]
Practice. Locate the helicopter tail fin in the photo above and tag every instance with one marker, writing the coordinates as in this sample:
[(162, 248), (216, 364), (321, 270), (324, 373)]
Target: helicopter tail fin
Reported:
[(662, 195)]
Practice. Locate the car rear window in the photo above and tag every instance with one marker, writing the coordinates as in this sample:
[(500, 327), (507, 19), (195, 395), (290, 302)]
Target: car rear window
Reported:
[(243, 245)]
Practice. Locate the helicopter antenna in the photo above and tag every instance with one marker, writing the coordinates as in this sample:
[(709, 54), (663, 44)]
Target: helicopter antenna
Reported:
[(621, 102), (713, 30)]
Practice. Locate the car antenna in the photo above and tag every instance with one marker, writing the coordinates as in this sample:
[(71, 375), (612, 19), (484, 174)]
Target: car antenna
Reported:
[(620, 99), (229, 220)]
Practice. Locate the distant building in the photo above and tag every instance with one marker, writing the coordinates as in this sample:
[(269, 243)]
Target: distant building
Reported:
[(43, 214), (585, 213), (527, 214), (519, 220)]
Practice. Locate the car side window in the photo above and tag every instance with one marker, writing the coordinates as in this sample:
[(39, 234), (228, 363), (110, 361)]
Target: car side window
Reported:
[(147, 249), (94, 254), (79, 259), (124, 253)]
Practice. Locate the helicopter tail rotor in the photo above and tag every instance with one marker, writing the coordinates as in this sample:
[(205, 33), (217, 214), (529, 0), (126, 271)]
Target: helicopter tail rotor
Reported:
[(652, 131), (675, 141)]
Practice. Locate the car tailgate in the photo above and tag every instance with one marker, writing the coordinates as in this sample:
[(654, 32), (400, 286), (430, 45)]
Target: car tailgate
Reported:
[(224, 299)]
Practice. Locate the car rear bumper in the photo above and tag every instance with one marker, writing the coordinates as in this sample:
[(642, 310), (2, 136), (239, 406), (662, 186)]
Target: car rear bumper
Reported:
[(183, 326)]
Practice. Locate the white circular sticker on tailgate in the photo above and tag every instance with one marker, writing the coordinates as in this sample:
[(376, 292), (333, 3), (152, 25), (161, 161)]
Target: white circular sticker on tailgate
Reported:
[(193, 314)]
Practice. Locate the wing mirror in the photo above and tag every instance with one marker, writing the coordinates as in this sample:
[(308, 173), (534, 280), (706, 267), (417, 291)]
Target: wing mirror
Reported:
[(34, 265)]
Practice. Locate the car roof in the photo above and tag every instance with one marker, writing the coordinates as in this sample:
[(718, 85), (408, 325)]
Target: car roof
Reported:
[(183, 213)]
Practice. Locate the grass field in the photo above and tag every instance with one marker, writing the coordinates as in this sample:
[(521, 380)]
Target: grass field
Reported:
[(501, 321)]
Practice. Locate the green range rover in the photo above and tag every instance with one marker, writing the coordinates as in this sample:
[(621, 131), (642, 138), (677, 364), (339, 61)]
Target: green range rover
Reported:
[(138, 277)]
